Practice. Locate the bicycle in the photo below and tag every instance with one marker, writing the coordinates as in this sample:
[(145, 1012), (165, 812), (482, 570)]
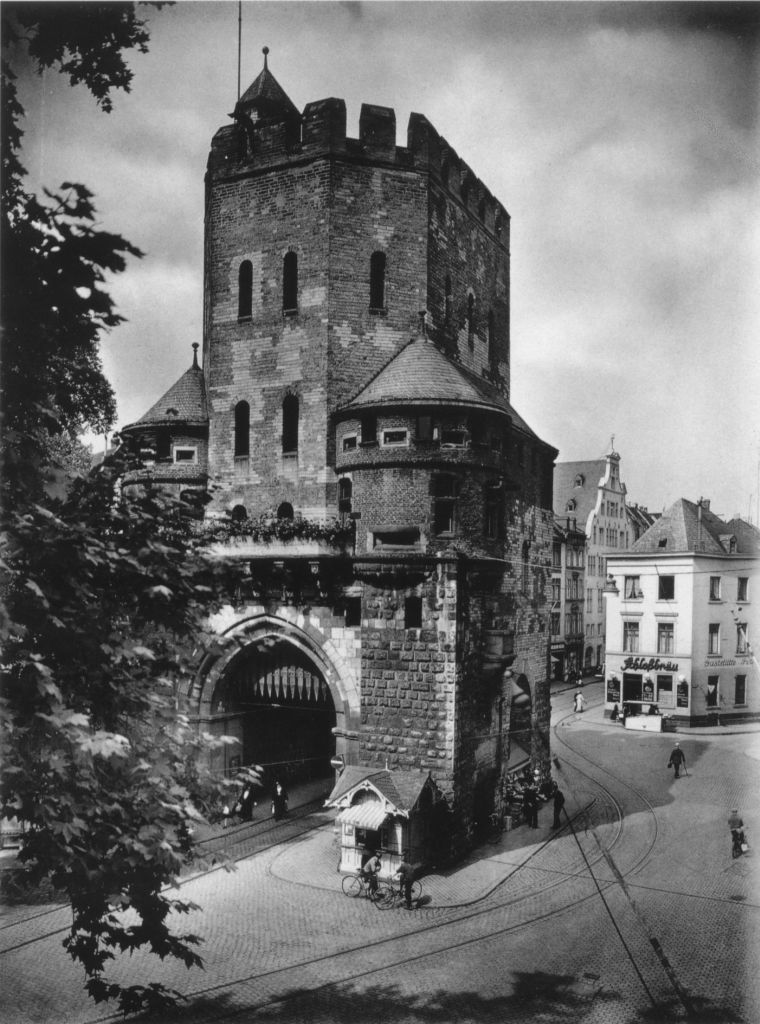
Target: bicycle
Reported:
[(358, 885), (391, 895)]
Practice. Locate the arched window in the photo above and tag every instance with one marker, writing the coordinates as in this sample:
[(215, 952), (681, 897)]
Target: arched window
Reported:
[(239, 513), (285, 511), (245, 289), (290, 282), (242, 431), (290, 425), (377, 281)]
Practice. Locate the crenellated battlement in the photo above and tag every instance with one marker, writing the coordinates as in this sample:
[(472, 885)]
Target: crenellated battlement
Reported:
[(259, 144)]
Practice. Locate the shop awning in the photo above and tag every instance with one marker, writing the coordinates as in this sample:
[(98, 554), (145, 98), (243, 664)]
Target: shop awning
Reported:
[(371, 814)]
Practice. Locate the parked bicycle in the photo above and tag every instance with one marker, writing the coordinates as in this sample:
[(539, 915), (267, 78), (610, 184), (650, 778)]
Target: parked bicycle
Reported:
[(358, 885), (392, 895)]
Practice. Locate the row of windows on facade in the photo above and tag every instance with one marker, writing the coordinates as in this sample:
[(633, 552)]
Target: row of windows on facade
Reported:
[(666, 588), (427, 430), (666, 638), (377, 295)]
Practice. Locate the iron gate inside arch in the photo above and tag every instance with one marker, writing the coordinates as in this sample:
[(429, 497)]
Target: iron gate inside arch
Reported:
[(282, 708)]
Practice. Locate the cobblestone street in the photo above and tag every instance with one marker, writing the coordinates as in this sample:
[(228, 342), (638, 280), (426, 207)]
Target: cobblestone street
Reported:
[(634, 911)]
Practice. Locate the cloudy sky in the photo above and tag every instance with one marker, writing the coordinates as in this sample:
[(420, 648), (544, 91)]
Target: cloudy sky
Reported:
[(621, 137)]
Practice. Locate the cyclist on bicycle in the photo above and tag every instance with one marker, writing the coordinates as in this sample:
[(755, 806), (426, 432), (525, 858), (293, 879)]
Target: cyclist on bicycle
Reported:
[(406, 873), (370, 871)]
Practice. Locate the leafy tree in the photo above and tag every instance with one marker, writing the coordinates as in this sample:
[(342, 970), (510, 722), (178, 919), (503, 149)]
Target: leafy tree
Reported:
[(104, 602)]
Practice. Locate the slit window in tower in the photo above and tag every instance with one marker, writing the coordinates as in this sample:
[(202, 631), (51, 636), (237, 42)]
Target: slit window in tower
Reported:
[(245, 290), (290, 425), (471, 320), (491, 339), (290, 282), (345, 493), (377, 281), (242, 431)]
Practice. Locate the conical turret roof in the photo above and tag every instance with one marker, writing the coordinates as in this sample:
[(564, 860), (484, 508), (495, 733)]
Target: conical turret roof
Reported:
[(267, 98), (184, 402), (420, 374)]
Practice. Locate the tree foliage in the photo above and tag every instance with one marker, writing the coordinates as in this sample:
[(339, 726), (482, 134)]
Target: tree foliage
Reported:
[(104, 601)]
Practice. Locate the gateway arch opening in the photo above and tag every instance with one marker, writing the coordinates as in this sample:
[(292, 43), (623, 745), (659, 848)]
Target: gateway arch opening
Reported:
[(275, 701)]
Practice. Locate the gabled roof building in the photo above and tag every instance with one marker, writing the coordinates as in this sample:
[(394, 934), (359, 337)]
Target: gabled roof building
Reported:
[(682, 617)]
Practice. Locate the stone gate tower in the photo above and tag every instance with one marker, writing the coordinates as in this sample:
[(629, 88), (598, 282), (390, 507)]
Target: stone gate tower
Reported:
[(356, 366)]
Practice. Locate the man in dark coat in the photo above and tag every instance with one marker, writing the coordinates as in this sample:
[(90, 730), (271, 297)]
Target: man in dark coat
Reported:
[(677, 760), (530, 805), (559, 803)]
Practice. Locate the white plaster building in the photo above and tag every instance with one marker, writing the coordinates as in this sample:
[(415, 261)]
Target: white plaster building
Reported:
[(682, 616)]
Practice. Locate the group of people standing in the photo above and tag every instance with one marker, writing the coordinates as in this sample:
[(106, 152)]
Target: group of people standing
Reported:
[(532, 798)]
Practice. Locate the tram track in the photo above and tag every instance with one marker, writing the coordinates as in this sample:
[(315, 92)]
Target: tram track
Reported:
[(354, 961)]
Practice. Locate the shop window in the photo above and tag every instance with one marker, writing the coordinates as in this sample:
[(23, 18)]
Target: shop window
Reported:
[(245, 290), (741, 588), (666, 588), (377, 281), (715, 588), (665, 691), (445, 493), (290, 425), (631, 637), (290, 282), (345, 493), (742, 643), (413, 613), (632, 588), (665, 637), (353, 611), (713, 638), (242, 429), (740, 690)]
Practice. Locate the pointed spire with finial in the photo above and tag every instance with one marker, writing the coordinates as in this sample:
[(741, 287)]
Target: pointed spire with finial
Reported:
[(265, 99)]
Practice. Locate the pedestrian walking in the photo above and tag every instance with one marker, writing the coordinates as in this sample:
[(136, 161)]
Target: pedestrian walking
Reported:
[(580, 701), (677, 760), (615, 713), (559, 803), (530, 805), (279, 801), (558, 800), (736, 827)]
